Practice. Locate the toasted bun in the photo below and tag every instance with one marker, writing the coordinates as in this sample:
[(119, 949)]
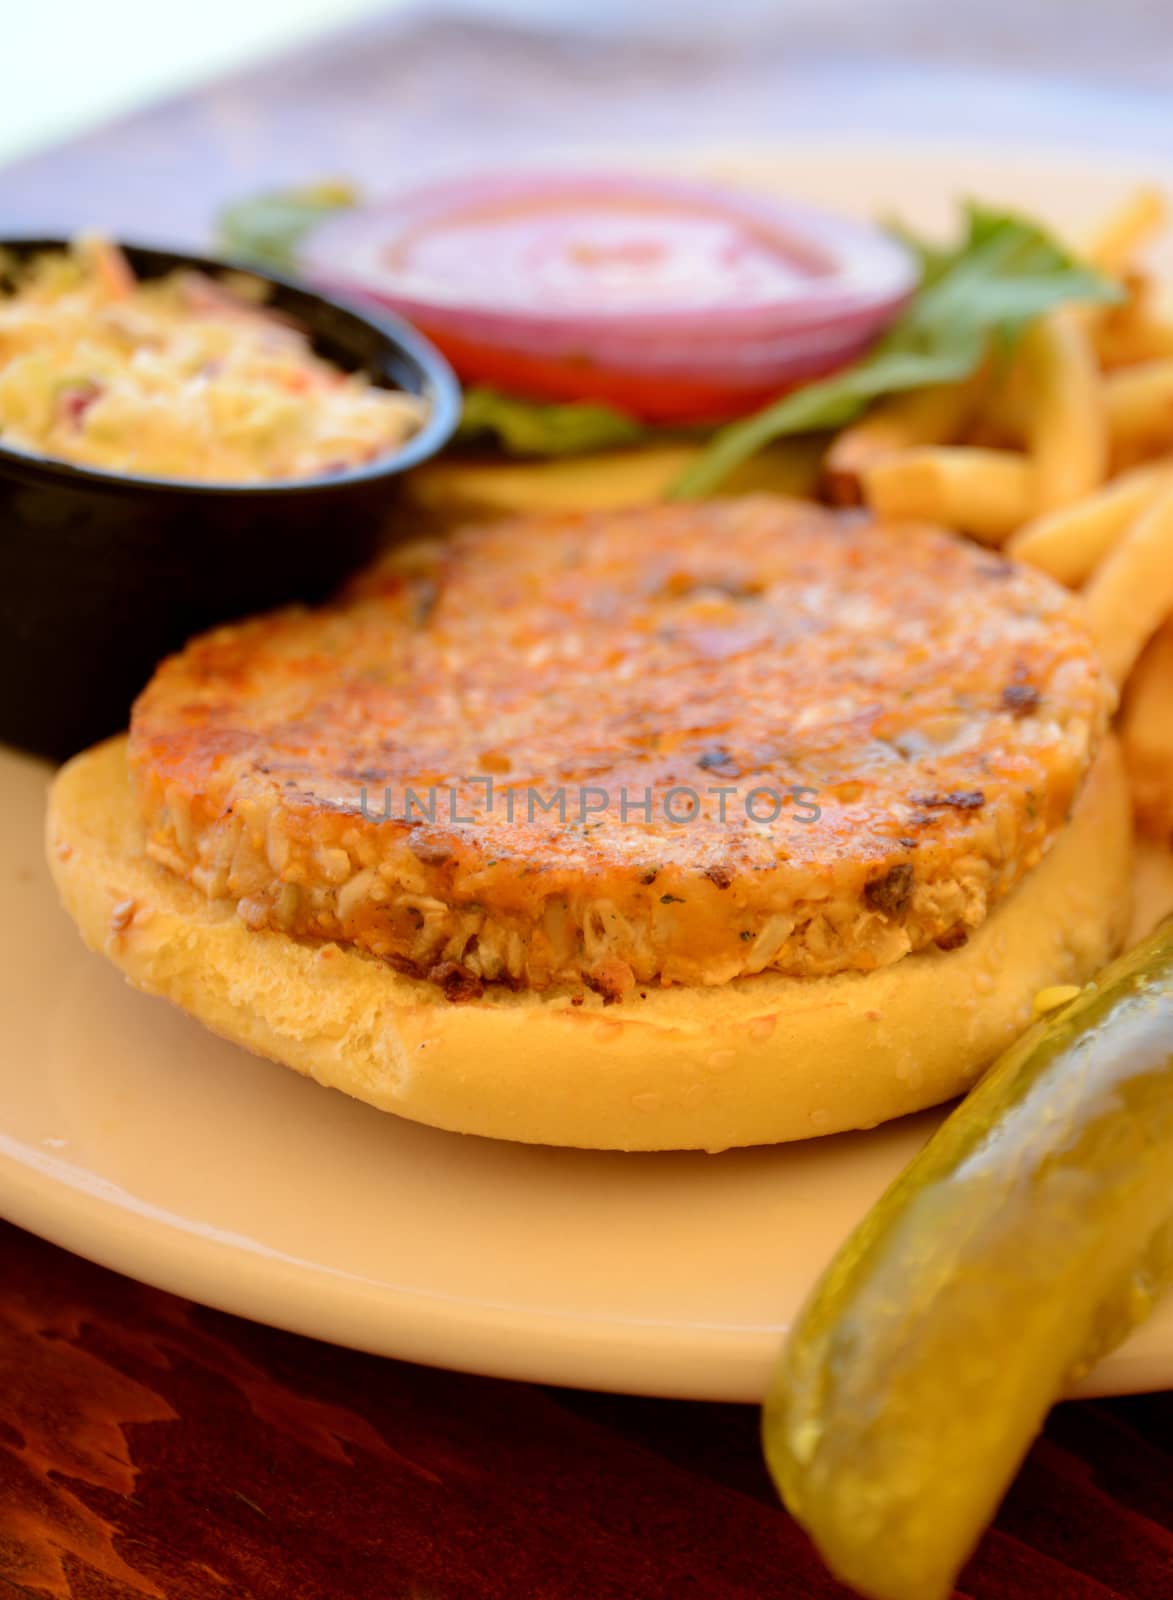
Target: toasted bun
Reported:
[(757, 1061)]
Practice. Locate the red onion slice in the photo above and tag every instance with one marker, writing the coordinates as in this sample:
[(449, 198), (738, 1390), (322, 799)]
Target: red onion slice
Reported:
[(656, 277)]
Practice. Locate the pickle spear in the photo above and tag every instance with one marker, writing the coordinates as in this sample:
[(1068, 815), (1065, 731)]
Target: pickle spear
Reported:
[(1030, 1235)]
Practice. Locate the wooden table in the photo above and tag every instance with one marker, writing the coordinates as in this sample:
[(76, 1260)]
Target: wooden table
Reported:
[(149, 1447), (152, 1448)]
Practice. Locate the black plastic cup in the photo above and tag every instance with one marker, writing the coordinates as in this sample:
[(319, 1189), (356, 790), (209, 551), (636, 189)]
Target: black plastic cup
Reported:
[(103, 574)]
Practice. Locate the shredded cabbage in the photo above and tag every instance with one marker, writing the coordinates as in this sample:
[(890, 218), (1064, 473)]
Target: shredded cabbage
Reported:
[(183, 376)]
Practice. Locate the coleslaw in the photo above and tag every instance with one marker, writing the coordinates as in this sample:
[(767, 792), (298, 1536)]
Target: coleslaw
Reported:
[(185, 376)]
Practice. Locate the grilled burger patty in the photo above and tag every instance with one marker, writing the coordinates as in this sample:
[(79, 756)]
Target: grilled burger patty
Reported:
[(677, 745)]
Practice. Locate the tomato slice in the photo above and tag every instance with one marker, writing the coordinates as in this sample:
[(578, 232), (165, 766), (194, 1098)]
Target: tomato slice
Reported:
[(652, 398), (674, 301)]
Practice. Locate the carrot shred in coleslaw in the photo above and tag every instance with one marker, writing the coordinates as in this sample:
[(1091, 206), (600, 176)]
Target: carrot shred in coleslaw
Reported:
[(184, 376)]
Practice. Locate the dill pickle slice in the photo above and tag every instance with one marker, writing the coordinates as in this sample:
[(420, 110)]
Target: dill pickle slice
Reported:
[(1030, 1235)]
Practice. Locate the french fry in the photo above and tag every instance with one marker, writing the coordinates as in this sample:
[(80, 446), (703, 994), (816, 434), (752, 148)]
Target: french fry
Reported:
[(1071, 542), (1004, 417), (985, 493), (1139, 404), (1115, 245), (1146, 731), (923, 416), (1067, 435), (1145, 336), (1139, 329), (1130, 594), (1008, 414), (1114, 250)]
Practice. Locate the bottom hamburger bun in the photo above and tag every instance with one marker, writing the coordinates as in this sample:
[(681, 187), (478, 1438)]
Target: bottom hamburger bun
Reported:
[(760, 1060)]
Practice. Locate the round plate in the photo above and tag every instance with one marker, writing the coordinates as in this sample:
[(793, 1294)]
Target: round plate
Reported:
[(131, 1135)]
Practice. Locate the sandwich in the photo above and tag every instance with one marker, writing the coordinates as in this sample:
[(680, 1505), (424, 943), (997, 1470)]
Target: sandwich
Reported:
[(681, 827), (689, 784)]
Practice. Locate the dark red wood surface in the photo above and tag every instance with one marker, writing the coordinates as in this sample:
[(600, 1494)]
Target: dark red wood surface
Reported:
[(149, 1447)]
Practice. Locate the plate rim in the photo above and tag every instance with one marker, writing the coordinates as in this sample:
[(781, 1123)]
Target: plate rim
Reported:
[(643, 1356)]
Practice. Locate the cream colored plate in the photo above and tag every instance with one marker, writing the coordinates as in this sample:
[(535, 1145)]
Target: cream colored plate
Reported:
[(129, 1134)]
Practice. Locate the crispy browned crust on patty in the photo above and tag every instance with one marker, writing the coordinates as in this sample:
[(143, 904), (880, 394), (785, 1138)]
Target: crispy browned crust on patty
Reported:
[(919, 712)]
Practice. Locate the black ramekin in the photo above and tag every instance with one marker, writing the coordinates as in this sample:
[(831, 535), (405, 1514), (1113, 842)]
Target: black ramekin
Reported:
[(101, 574)]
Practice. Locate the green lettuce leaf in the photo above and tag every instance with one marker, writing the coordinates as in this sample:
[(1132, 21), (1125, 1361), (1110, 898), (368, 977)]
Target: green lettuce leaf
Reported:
[(974, 299), (266, 229), (542, 428)]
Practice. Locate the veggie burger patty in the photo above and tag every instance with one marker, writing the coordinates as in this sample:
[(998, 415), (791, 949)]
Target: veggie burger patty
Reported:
[(676, 745)]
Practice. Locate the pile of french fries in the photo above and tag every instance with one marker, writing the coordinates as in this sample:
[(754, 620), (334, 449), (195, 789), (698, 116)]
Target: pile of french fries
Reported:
[(1063, 457)]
